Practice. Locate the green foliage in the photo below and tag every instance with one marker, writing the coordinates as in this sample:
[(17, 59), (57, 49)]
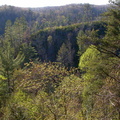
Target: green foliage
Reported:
[(52, 51), (42, 76), (9, 62), (3, 91), (19, 107), (90, 60), (66, 54), (101, 82), (85, 39), (49, 91), (87, 13), (33, 99), (64, 103), (62, 54), (110, 44), (19, 37), (29, 52), (110, 47), (39, 18), (13, 51)]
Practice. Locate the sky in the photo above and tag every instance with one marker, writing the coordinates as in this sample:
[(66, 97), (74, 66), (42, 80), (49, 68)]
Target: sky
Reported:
[(44, 3)]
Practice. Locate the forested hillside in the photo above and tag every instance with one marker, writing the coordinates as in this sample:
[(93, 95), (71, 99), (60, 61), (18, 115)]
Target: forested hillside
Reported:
[(60, 63), (62, 43), (39, 18)]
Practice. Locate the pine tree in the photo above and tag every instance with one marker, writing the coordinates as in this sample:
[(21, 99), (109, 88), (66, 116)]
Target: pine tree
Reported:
[(110, 47), (102, 71), (9, 62), (105, 68), (19, 37), (85, 39), (65, 55), (111, 43), (10, 55)]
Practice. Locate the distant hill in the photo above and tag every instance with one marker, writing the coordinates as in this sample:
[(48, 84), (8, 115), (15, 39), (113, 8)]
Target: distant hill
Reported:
[(40, 18)]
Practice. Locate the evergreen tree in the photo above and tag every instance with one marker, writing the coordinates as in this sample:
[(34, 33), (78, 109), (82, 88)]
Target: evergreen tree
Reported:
[(85, 39), (18, 35), (102, 63), (111, 43), (50, 48), (90, 63), (65, 55), (11, 52), (110, 46), (9, 62), (62, 54)]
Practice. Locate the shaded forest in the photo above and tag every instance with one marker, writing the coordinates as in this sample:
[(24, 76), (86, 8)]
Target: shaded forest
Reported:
[(61, 43), (60, 63)]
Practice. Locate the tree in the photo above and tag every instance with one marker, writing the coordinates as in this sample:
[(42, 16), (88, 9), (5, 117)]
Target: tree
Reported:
[(88, 13), (85, 39), (16, 32), (110, 47), (65, 102), (9, 62), (50, 48), (41, 76), (102, 62), (18, 35), (62, 54), (65, 54), (11, 55), (90, 63)]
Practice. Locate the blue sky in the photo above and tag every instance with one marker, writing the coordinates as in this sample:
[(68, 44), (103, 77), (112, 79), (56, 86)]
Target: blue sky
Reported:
[(43, 3)]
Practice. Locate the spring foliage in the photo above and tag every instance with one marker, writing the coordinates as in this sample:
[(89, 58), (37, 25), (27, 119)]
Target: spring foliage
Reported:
[(42, 90)]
